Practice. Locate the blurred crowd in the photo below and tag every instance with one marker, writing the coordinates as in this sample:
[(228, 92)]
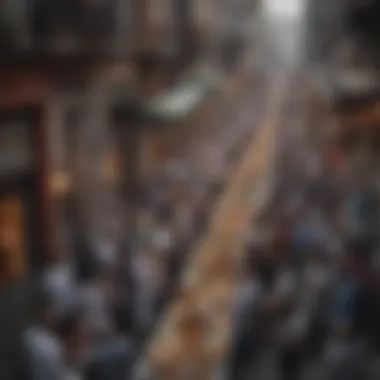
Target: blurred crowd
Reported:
[(311, 293), (95, 313)]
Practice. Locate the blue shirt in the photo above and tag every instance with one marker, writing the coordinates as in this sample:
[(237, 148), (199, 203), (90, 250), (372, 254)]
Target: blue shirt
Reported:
[(305, 236), (344, 302)]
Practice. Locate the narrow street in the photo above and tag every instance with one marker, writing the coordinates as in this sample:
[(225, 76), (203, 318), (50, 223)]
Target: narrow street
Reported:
[(255, 118), (242, 201), (189, 191), (295, 120)]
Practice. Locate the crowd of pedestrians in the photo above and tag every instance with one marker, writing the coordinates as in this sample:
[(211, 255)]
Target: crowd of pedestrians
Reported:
[(311, 295), (95, 313)]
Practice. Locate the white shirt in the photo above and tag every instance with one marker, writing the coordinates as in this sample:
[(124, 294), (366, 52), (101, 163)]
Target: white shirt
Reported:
[(316, 279), (293, 325), (107, 252), (59, 282), (73, 375), (94, 299), (144, 278), (162, 239), (46, 354)]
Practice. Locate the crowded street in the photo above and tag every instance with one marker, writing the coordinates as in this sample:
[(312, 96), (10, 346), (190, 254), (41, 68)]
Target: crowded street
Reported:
[(203, 207)]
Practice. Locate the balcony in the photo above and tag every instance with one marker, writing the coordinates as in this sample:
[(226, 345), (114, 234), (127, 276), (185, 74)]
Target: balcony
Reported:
[(65, 28)]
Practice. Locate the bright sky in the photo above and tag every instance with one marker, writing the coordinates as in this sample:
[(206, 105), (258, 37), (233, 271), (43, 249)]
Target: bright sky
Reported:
[(284, 23), (285, 8)]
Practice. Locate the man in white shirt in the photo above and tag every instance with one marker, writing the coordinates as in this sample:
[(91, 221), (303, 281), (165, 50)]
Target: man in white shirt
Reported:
[(43, 348), (59, 283), (162, 239)]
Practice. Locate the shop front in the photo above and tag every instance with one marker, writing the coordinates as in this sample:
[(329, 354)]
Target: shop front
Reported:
[(20, 219), (23, 204)]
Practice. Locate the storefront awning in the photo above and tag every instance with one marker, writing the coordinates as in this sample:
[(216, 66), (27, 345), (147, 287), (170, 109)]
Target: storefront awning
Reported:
[(177, 103), (181, 101)]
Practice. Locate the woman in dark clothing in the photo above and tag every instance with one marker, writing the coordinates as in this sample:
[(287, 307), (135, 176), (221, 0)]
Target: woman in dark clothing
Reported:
[(247, 335), (290, 362), (122, 303)]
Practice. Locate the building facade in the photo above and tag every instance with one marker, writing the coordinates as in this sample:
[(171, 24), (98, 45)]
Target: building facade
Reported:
[(72, 146)]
